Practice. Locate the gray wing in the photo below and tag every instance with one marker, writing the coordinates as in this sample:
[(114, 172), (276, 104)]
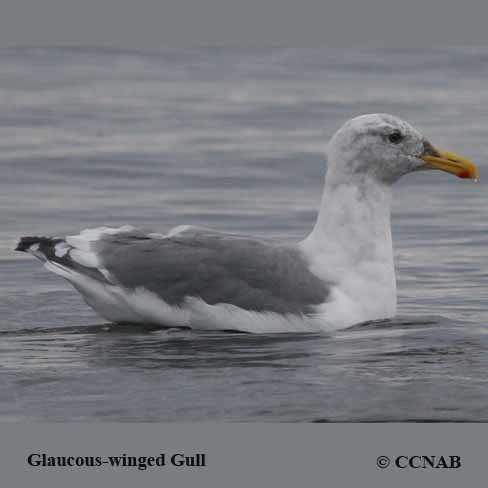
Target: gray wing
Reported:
[(218, 268), (252, 274)]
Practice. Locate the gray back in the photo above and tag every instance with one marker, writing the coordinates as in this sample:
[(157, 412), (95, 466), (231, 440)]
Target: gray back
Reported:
[(219, 268)]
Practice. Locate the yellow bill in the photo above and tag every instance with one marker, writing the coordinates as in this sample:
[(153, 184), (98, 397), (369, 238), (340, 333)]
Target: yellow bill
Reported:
[(450, 162)]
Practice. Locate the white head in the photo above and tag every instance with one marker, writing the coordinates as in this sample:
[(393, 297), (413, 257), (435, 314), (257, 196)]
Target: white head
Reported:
[(384, 147)]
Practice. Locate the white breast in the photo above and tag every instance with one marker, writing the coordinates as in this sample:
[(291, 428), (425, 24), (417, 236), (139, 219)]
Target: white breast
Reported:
[(351, 248)]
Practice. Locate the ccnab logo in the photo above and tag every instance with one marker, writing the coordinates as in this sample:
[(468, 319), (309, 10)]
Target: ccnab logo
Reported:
[(433, 462)]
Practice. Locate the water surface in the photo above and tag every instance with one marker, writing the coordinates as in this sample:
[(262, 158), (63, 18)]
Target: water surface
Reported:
[(234, 139)]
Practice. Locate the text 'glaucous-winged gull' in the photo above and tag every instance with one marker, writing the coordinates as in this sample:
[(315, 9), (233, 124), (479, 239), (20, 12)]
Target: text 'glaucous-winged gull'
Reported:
[(341, 274)]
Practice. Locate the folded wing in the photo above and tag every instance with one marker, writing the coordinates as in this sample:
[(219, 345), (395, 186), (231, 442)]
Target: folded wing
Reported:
[(187, 263)]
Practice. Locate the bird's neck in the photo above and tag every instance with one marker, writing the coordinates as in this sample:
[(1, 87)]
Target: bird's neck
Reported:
[(354, 217), (351, 244)]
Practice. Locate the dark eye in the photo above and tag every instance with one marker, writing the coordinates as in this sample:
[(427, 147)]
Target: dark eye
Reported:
[(395, 137)]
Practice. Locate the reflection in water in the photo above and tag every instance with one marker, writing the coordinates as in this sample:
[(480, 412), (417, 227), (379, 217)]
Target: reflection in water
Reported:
[(155, 347), (197, 351)]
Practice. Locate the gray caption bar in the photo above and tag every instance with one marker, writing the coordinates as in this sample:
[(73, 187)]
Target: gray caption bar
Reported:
[(246, 455)]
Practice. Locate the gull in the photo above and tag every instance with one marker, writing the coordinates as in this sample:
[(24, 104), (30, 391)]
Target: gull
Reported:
[(341, 274)]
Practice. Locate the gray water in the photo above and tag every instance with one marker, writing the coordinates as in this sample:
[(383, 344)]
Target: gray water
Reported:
[(234, 139)]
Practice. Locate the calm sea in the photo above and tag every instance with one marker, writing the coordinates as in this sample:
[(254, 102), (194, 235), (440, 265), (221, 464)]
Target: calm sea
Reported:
[(234, 139)]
